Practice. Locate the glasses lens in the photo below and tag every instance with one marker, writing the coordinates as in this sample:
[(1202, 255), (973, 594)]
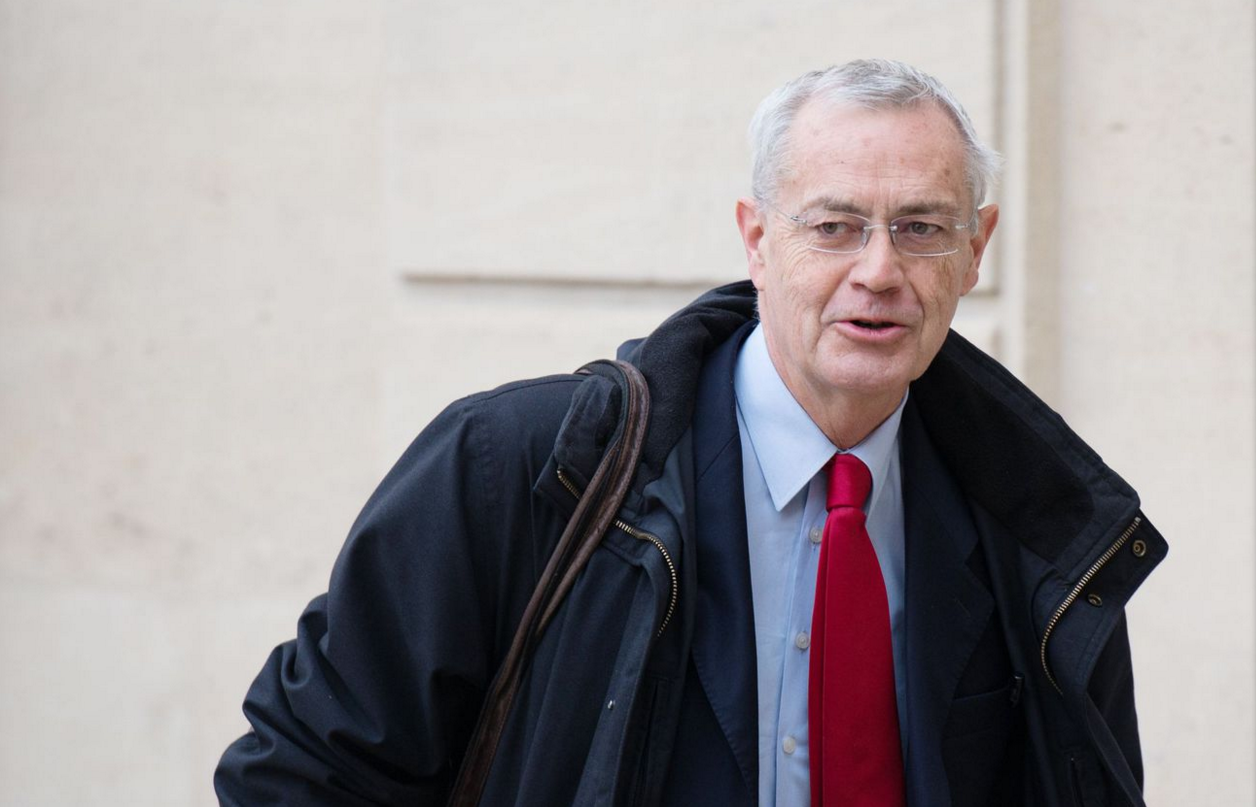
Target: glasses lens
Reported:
[(836, 232), (927, 235)]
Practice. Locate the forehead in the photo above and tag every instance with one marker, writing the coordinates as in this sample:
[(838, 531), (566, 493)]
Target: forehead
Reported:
[(881, 159)]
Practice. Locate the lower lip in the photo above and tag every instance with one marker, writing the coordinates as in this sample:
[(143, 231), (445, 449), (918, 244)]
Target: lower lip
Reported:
[(870, 335)]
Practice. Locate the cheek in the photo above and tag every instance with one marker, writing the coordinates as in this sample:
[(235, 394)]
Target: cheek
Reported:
[(793, 254), (941, 292), (807, 294), (789, 276), (807, 275)]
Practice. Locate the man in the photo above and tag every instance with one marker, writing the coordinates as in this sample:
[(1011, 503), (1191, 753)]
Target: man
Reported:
[(878, 570)]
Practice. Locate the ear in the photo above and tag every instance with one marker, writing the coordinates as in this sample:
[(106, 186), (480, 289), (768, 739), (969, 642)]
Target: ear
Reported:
[(987, 219), (752, 231)]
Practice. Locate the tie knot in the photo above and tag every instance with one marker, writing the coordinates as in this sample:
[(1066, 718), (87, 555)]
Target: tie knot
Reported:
[(850, 481)]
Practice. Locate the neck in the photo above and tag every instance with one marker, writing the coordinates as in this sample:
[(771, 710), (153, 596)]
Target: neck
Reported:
[(847, 422), (846, 418)]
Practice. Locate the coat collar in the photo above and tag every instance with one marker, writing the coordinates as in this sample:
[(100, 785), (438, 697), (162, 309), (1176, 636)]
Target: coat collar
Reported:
[(1008, 451)]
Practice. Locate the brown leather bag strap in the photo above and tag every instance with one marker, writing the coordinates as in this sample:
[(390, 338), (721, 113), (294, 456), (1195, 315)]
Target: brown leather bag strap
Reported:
[(594, 513)]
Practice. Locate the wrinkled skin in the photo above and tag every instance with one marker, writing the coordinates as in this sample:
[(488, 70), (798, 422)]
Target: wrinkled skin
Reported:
[(815, 306)]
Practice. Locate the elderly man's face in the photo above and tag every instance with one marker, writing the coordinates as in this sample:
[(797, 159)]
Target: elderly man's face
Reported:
[(866, 324)]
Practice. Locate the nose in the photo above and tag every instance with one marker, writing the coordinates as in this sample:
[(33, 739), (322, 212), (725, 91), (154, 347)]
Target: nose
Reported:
[(878, 266)]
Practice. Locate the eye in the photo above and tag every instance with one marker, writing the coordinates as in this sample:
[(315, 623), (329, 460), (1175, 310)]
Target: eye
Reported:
[(840, 233), (836, 227), (919, 228), (926, 235)]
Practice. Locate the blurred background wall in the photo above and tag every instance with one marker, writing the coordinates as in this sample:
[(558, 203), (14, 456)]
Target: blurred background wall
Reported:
[(247, 250)]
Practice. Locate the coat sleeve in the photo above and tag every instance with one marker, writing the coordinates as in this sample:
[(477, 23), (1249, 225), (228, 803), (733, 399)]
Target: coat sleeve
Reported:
[(375, 699)]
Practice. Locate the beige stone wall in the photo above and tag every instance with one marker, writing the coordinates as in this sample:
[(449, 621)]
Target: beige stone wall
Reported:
[(247, 250), (1156, 359)]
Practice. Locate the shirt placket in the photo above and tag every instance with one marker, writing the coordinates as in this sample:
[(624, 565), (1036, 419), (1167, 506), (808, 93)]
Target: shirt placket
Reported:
[(793, 765)]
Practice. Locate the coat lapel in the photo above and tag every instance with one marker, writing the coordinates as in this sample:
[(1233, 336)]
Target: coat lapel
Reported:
[(724, 641), (948, 607)]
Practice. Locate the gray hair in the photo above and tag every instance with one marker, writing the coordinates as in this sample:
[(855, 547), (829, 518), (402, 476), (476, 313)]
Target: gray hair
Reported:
[(869, 84)]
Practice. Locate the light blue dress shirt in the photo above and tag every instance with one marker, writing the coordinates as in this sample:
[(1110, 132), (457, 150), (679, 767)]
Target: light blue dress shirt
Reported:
[(783, 454)]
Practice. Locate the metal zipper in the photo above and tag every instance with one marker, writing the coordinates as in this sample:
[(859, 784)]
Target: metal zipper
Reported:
[(642, 536), (1076, 592)]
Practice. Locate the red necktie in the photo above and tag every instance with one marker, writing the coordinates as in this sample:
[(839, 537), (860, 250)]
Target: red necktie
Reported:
[(856, 758)]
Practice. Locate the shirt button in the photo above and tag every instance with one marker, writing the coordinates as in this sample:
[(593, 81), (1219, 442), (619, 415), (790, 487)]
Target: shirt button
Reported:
[(802, 641), (789, 745), (816, 535)]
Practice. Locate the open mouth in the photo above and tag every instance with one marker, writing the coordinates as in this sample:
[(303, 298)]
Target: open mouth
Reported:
[(873, 325)]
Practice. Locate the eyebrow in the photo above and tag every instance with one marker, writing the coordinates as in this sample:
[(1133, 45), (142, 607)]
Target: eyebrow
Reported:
[(838, 204)]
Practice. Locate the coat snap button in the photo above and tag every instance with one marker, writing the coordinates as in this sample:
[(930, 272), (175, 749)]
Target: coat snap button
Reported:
[(1139, 548), (1094, 599)]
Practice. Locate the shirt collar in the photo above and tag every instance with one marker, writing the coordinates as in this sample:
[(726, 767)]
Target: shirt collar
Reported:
[(789, 446)]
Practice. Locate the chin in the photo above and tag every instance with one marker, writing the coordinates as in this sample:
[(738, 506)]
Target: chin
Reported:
[(868, 382)]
